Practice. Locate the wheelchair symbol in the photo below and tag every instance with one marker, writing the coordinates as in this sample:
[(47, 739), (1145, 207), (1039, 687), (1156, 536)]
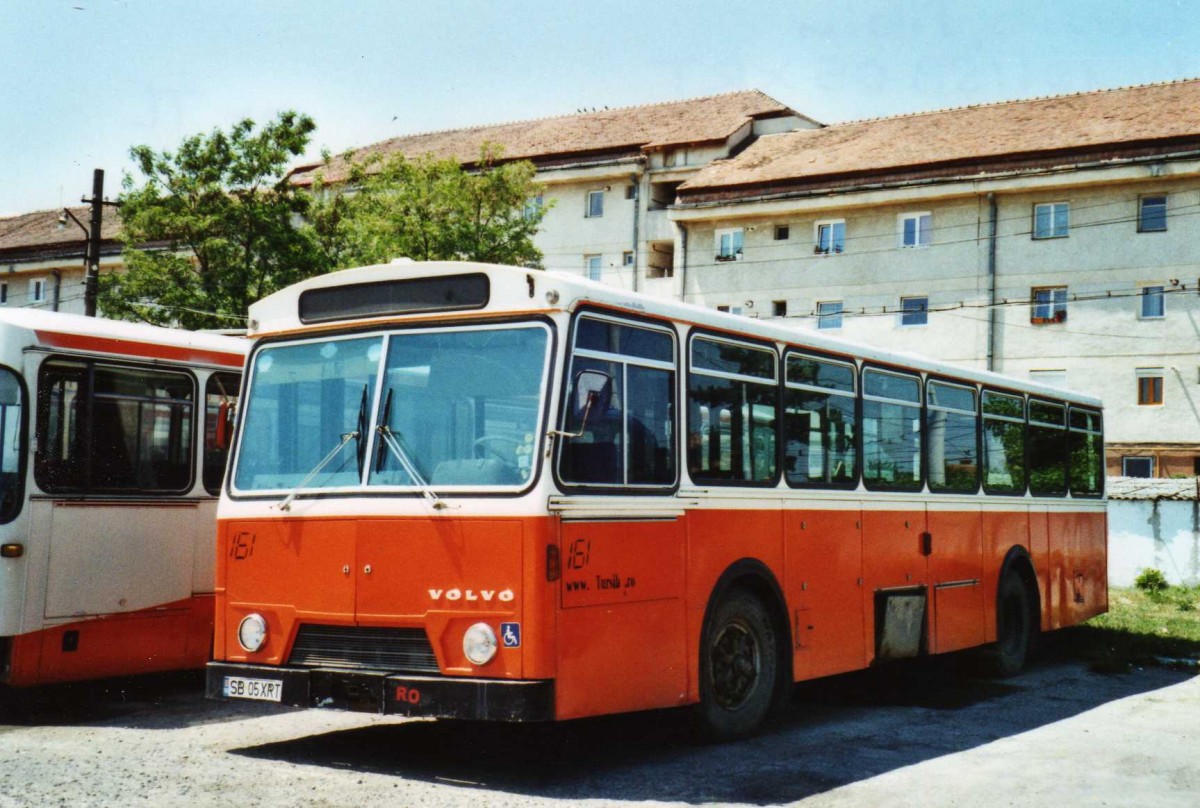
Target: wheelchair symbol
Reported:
[(510, 635)]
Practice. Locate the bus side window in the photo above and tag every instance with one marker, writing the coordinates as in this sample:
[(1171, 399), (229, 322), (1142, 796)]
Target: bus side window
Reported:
[(1003, 443), (1047, 440), (628, 435), (952, 422), (820, 446), (1087, 453), (891, 430), (733, 410), (108, 428)]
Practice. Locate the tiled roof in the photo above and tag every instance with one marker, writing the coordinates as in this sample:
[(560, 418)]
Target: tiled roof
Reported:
[(1184, 488), (40, 230), (1089, 121), (696, 120)]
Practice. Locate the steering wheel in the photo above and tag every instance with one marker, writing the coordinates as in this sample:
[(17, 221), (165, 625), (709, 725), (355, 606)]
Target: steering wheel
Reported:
[(484, 442)]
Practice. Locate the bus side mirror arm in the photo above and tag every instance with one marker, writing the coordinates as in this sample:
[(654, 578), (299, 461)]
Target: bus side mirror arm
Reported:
[(558, 433)]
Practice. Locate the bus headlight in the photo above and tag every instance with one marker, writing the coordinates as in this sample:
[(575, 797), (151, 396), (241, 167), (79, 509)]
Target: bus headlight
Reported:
[(479, 643), (252, 632)]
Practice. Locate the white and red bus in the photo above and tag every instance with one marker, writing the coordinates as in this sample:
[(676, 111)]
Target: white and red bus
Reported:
[(464, 490), (110, 467)]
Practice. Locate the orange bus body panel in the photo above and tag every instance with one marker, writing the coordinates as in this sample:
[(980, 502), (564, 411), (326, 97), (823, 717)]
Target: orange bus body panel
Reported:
[(823, 586), (956, 573), (621, 629), (622, 637), (175, 636), (440, 574), (1078, 586)]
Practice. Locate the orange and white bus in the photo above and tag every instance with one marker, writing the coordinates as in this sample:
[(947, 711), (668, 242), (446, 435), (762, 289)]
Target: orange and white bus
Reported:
[(110, 467), (485, 492)]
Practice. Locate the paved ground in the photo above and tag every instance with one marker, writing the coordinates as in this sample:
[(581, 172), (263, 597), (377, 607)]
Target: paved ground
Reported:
[(919, 735)]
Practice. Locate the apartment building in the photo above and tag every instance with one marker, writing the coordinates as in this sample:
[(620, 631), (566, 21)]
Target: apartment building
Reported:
[(611, 174), (42, 258), (1053, 238)]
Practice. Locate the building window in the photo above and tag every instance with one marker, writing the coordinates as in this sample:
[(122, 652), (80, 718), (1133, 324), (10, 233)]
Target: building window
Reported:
[(914, 311), (3, 294), (627, 258), (831, 238), (782, 232), (595, 204), (779, 308), (1152, 214), (1137, 466), (723, 308), (1153, 304), (533, 206), (631, 192), (729, 244), (37, 290), (1150, 387), (592, 262), (829, 314), (1049, 305), (916, 229), (1051, 220), (674, 157)]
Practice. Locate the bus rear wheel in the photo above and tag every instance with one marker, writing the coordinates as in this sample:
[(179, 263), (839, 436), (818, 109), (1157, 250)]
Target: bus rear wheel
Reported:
[(1014, 627), (739, 663)]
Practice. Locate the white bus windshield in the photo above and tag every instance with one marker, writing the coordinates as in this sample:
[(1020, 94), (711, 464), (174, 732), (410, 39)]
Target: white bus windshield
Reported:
[(10, 445), (445, 408)]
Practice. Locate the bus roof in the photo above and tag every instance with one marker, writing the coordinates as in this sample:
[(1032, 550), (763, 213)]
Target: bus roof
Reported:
[(97, 335), (516, 290)]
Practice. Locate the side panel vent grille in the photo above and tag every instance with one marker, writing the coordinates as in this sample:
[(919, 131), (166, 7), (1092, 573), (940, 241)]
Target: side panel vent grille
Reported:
[(363, 648)]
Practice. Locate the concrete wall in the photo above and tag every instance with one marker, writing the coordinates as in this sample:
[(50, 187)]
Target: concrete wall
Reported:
[(1163, 534)]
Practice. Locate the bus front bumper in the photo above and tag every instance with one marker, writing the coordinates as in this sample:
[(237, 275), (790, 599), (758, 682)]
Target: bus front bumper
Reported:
[(383, 692)]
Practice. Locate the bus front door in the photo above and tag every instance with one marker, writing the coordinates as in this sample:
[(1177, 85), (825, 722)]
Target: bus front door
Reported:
[(621, 625)]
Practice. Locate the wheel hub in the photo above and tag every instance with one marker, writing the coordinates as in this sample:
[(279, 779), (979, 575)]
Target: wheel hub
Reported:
[(735, 666)]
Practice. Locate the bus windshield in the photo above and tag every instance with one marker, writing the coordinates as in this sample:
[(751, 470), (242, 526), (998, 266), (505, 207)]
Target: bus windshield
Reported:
[(442, 408), (11, 448)]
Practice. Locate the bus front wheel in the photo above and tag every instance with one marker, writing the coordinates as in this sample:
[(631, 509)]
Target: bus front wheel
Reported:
[(739, 663)]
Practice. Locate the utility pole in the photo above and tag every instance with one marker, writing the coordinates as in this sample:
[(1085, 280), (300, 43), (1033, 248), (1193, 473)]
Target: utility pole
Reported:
[(91, 258), (92, 261)]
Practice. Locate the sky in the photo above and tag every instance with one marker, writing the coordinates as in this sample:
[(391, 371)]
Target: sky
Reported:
[(84, 80)]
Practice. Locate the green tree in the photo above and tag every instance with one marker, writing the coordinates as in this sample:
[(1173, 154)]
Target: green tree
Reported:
[(429, 209), (211, 229)]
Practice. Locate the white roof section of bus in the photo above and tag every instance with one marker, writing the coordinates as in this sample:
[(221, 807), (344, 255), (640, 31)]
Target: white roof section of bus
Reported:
[(279, 313), (60, 323)]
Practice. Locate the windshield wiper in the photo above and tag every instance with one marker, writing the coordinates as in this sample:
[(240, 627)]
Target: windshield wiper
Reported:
[(380, 451), (360, 453), (360, 448), (286, 504), (393, 444)]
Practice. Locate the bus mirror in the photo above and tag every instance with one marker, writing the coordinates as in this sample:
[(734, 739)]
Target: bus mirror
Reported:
[(224, 432), (591, 387)]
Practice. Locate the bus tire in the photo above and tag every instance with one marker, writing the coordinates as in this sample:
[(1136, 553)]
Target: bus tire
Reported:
[(739, 666), (1014, 627)]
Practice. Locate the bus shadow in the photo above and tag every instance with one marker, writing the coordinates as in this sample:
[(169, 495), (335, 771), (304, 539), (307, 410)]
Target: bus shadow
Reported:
[(151, 701), (835, 732)]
